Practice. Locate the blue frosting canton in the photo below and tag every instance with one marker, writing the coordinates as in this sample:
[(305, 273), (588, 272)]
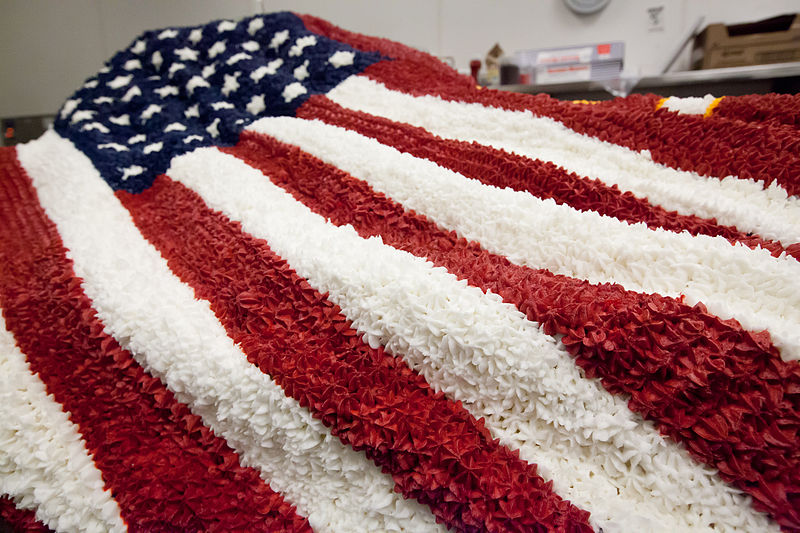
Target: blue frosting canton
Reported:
[(177, 89)]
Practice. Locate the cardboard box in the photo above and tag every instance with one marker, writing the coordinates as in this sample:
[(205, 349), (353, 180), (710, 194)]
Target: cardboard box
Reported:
[(773, 40), (575, 63), (568, 55), (603, 70)]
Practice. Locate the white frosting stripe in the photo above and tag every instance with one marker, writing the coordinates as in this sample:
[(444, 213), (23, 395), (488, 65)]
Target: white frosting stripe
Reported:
[(745, 204), (486, 354), (761, 291), (44, 464), (692, 105), (178, 339)]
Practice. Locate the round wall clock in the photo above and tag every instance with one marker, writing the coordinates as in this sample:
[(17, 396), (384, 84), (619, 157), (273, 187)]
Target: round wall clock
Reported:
[(586, 7)]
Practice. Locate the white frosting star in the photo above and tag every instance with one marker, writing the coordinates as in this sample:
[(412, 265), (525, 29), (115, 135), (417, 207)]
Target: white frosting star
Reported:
[(175, 67), (230, 85), (292, 91), (168, 34), (300, 44), (113, 146), (120, 81), (216, 49), (156, 59), (256, 105), (278, 39), (271, 68), (175, 126), (213, 128), (192, 111), (341, 58), (82, 114), (226, 25), (255, 25), (235, 58), (69, 106), (151, 110), (122, 120), (186, 54), (154, 147), (251, 46), (196, 82), (138, 47), (133, 170), (167, 90), (133, 91)]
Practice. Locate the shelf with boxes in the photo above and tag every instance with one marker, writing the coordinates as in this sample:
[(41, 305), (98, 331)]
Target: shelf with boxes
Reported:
[(733, 81)]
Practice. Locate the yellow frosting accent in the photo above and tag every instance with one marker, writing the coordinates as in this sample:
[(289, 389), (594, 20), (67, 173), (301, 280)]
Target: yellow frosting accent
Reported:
[(660, 103), (711, 106), (586, 102)]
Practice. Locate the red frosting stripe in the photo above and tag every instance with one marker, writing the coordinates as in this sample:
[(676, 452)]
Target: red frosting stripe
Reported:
[(722, 391), (435, 451), (388, 49), (14, 519), (687, 142), (683, 141), (772, 109), (542, 179), (164, 468)]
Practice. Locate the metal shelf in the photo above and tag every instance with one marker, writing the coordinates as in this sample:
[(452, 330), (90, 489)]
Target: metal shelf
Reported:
[(778, 77)]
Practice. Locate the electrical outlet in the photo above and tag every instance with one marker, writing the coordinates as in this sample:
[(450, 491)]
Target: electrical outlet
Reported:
[(655, 18)]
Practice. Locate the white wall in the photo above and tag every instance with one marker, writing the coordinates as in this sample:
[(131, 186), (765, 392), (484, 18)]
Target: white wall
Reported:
[(471, 27), (48, 47)]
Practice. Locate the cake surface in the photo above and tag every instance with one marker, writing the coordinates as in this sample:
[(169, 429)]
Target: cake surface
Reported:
[(272, 275)]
